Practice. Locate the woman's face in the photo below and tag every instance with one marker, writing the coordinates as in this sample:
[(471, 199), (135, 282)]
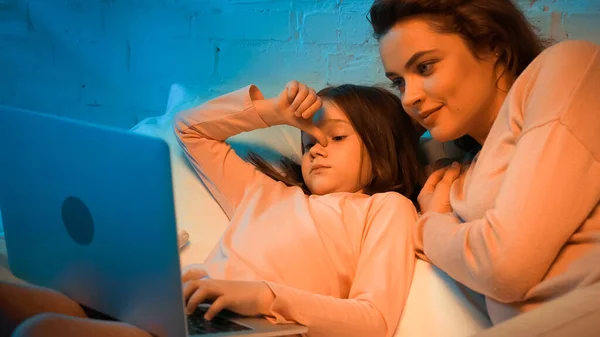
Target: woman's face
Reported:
[(443, 86)]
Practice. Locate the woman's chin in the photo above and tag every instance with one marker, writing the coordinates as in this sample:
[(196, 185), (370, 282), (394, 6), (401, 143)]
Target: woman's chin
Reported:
[(441, 135)]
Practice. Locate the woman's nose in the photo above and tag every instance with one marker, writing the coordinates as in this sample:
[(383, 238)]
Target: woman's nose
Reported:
[(412, 98)]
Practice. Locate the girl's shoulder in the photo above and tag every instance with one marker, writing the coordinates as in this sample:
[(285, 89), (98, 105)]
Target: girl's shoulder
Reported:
[(392, 201), (372, 202)]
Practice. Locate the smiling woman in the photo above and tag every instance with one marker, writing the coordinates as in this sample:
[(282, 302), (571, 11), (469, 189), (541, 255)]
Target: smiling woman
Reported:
[(521, 223), (426, 73)]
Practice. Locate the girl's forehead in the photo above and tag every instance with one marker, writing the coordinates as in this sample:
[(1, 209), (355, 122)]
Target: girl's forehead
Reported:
[(329, 110), (329, 116)]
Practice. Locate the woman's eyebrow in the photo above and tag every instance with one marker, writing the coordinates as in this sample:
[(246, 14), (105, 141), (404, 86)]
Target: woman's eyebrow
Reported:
[(416, 56)]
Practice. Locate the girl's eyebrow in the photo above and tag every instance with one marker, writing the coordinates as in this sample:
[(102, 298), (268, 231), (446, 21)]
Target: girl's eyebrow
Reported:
[(333, 121)]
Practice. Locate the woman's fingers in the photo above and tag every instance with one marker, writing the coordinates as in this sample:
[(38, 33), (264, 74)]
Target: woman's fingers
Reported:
[(433, 180), (451, 173), (445, 174)]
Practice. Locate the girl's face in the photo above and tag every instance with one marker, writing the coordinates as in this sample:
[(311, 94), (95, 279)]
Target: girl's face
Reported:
[(443, 86), (341, 166)]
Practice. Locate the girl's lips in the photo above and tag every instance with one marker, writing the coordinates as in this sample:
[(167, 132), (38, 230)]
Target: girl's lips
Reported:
[(318, 168)]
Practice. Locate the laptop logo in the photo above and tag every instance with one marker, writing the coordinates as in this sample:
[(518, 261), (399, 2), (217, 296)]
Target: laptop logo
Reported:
[(78, 220)]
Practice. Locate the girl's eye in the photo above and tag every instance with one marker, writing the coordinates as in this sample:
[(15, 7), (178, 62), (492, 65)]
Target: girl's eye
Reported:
[(338, 138), (307, 147), (425, 69)]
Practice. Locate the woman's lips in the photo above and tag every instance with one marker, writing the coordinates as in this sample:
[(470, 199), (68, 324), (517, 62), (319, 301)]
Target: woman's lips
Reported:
[(428, 116)]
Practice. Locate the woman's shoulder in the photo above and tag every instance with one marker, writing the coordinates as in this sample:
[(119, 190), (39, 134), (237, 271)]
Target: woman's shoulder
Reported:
[(567, 56), (571, 48), (562, 85)]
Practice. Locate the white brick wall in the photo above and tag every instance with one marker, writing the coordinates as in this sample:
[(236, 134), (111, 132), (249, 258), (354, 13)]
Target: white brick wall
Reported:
[(112, 61)]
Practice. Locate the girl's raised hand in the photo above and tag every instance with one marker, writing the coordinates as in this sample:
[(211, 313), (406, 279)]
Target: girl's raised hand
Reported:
[(296, 105), (299, 99)]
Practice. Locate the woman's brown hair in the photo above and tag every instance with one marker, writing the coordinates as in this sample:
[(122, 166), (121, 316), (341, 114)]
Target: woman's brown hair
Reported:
[(485, 25), (388, 134)]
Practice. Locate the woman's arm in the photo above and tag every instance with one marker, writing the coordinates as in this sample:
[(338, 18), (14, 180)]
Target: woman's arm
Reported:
[(550, 187), (202, 132), (380, 287)]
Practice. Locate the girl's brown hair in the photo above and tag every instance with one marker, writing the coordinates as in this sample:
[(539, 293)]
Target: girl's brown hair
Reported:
[(485, 25), (388, 134)]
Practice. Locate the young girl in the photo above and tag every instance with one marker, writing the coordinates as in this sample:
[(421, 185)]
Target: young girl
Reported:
[(329, 244), (326, 244)]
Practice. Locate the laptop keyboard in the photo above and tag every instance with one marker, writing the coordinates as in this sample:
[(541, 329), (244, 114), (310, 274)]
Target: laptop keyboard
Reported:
[(197, 325)]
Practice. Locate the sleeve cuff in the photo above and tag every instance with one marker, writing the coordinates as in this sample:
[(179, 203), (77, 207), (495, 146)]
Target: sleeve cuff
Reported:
[(279, 308)]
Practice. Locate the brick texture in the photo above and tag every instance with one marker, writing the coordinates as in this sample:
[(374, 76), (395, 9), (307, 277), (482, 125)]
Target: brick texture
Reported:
[(112, 61)]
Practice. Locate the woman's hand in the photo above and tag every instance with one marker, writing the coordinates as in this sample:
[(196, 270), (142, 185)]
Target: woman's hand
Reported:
[(296, 105), (248, 298), (435, 194)]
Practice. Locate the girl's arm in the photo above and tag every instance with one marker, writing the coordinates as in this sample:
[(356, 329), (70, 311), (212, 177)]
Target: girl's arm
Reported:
[(550, 187), (380, 287), (202, 132)]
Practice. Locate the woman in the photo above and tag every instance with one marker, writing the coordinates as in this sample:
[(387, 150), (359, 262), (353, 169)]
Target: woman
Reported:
[(521, 224)]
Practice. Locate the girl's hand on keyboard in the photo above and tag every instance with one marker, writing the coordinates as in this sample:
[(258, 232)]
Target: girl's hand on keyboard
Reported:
[(193, 272), (248, 298)]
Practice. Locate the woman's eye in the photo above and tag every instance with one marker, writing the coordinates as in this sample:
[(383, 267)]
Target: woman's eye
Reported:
[(425, 68), (338, 138), (399, 84)]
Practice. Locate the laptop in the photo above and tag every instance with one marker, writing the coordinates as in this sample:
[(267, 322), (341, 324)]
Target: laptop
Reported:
[(88, 211)]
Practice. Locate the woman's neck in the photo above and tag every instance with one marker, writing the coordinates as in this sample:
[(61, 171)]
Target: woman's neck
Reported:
[(484, 124)]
